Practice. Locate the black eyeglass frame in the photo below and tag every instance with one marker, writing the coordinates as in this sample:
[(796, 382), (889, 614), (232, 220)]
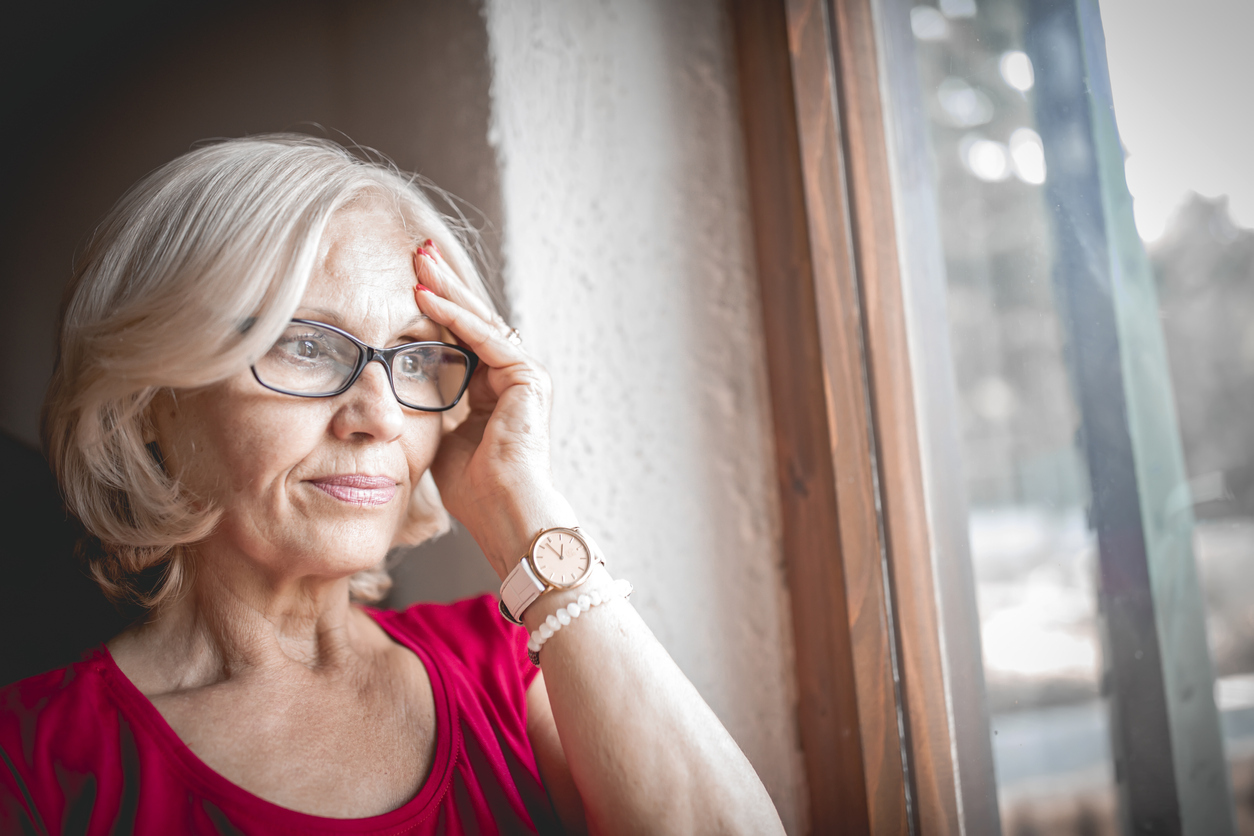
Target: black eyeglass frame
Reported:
[(366, 354)]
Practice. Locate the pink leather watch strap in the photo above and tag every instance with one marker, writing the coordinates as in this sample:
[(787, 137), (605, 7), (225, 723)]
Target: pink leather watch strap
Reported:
[(520, 589)]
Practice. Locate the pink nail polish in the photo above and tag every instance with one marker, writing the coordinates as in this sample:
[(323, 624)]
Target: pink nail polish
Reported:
[(423, 288)]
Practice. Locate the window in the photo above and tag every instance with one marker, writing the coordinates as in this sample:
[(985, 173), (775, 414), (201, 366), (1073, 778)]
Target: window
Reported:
[(989, 483)]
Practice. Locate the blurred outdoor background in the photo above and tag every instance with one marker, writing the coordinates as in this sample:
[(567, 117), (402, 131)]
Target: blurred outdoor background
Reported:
[(1178, 75)]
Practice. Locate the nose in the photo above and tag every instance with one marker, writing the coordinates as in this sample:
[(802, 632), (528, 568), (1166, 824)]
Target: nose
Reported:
[(369, 408)]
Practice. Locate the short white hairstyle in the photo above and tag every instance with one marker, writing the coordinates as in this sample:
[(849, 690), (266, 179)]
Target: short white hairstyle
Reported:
[(190, 278)]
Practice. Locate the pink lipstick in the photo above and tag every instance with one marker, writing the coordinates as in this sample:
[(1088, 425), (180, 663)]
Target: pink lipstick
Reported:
[(357, 489)]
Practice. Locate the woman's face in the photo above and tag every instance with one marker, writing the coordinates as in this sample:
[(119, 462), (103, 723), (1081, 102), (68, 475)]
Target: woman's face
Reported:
[(314, 486)]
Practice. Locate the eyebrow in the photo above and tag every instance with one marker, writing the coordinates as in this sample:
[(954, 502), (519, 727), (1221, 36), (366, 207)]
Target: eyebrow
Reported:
[(412, 324), (416, 321), (332, 318)]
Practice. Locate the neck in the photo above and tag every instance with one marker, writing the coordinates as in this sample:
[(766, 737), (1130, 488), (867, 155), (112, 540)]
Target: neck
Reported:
[(235, 620)]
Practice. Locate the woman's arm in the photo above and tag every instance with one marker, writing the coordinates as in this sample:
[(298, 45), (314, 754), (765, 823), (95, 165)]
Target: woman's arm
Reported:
[(551, 758), (644, 750), (630, 734)]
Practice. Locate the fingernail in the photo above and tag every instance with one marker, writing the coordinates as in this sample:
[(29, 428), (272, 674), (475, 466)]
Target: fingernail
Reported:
[(422, 287), (434, 248)]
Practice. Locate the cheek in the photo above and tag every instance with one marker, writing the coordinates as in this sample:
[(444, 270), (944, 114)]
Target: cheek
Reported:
[(226, 445), (421, 442), (230, 447)]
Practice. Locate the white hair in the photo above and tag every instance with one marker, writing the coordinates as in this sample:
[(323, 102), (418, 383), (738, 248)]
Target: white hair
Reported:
[(189, 279)]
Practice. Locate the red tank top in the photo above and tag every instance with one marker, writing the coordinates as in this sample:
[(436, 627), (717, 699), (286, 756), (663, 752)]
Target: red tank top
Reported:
[(85, 752)]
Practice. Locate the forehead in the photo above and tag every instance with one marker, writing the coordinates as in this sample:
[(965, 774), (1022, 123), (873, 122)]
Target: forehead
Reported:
[(364, 273)]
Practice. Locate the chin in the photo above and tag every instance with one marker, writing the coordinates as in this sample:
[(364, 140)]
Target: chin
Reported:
[(310, 544), (354, 554), (337, 550)]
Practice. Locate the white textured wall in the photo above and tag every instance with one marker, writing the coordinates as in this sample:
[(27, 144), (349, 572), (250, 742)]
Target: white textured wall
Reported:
[(629, 269)]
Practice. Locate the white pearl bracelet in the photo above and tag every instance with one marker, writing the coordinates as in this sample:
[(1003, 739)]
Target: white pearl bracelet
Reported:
[(565, 615)]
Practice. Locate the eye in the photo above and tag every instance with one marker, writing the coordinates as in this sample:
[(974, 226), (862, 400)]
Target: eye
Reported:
[(307, 349), (412, 366)]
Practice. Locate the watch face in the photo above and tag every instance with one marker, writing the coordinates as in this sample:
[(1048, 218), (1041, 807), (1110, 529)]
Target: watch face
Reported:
[(561, 557)]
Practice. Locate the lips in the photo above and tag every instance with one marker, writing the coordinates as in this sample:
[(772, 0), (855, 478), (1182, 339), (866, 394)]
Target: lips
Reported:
[(357, 488)]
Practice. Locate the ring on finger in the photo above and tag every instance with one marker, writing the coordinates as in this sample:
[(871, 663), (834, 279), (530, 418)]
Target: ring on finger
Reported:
[(513, 337)]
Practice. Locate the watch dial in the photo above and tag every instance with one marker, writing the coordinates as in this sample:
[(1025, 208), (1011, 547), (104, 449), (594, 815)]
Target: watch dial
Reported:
[(561, 558)]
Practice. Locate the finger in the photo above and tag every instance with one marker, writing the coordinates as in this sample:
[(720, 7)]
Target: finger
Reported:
[(434, 272), (430, 263), (477, 334)]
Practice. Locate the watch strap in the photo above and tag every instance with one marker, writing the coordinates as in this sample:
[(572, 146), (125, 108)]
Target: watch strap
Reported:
[(520, 589)]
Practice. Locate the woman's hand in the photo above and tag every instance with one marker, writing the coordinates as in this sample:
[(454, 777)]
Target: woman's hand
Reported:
[(493, 470), (623, 755)]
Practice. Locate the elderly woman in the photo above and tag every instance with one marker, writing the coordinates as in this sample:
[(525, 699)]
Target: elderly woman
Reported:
[(272, 355)]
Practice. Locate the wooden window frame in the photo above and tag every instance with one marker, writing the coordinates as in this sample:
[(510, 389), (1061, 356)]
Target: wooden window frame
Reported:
[(883, 712)]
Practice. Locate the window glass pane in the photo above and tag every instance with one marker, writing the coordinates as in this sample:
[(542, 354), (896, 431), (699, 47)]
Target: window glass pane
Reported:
[(1079, 502), (1192, 185), (1032, 549)]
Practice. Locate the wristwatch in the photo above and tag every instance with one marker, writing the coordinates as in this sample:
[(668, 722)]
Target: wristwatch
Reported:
[(559, 558)]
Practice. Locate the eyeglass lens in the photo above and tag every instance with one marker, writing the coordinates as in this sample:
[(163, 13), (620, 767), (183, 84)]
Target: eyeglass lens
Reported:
[(312, 361)]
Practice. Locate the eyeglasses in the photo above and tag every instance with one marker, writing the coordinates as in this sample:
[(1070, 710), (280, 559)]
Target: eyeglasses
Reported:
[(315, 360)]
